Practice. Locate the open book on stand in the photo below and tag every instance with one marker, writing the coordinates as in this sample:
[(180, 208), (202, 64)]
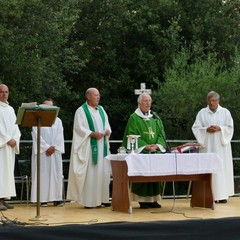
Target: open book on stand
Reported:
[(33, 107)]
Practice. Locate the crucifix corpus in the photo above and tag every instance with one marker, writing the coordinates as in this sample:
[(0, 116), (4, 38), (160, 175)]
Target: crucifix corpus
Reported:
[(142, 89), (150, 133)]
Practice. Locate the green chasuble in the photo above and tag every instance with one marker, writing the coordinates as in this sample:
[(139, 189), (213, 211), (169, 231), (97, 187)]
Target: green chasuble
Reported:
[(151, 132)]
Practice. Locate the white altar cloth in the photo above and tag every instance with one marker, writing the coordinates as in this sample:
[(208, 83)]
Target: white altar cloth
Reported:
[(169, 163)]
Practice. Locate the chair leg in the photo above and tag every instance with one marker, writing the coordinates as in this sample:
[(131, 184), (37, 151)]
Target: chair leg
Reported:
[(25, 179), (22, 187), (27, 189), (163, 190), (189, 189), (63, 190)]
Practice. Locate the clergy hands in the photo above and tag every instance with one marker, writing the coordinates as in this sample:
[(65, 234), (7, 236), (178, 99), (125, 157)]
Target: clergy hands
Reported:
[(50, 151), (107, 133), (12, 143), (213, 129), (151, 148), (99, 135)]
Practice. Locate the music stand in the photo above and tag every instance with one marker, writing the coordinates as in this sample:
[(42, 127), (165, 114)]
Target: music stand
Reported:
[(40, 117)]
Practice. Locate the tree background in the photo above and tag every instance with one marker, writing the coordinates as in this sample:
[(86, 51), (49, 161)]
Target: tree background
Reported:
[(181, 49)]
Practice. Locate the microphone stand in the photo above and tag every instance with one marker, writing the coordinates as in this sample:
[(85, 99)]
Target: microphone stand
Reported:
[(156, 118), (168, 150)]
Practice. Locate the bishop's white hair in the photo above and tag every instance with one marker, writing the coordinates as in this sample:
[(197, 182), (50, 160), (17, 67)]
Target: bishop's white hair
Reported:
[(140, 97)]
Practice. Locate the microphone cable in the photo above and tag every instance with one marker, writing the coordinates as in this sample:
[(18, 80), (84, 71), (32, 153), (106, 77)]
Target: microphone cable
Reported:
[(174, 194), (156, 117)]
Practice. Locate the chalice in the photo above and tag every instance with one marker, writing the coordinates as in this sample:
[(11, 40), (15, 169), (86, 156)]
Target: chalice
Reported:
[(133, 142)]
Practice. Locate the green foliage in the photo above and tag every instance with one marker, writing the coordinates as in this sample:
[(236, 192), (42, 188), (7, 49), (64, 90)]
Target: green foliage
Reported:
[(122, 43), (185, 89), (32, 34), (60, 48)]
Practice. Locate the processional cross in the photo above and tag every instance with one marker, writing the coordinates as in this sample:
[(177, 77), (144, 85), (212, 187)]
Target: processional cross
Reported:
[(142, 89)]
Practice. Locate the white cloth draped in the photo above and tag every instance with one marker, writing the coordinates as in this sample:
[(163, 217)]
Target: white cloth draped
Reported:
[(8, 130), (88, 184), (51, 170), (170, 164), (218, 142)]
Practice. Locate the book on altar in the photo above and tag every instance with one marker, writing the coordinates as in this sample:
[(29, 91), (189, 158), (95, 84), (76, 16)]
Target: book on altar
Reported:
[(187, 148)]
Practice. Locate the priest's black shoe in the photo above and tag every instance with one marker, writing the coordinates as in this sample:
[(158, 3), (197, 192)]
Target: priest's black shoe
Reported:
[(2, 207), (154, 205), (223, 201), (143, 205), (106, 204), (58, 203), (7, 205)]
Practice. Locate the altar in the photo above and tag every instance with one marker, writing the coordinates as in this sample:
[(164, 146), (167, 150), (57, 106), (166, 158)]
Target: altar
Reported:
[(169, 167)]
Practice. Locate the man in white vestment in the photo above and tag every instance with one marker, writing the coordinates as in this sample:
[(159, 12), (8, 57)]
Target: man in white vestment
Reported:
[(9, 146), (89, 172), (213, 128), (51, 167)]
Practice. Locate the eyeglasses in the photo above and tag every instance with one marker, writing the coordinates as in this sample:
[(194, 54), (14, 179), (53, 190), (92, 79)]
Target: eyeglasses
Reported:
[(213, 100)]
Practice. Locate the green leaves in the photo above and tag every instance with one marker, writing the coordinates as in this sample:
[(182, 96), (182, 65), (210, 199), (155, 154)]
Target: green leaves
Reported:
[(185, 89), (180, 49), (32, 36)]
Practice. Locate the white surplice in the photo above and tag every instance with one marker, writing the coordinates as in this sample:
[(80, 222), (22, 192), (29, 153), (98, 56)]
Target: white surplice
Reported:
[(220, 143), (8, 130), (88, 184), (51, 169)]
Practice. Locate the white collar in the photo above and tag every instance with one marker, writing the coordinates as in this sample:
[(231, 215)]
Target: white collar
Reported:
[(140, 114), (219, 108), (4, 104)]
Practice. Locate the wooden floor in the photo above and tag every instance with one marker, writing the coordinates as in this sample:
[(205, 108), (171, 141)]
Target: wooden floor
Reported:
[(74, 213)]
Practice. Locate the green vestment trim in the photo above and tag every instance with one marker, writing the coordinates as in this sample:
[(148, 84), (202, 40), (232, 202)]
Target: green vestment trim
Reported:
[(103, 120), (93, 141)]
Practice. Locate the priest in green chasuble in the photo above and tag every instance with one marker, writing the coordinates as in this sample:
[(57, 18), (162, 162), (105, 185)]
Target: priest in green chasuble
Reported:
[(149, 127)]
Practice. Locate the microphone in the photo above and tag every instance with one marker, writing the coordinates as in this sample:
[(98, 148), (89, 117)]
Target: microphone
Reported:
[(156, 118)]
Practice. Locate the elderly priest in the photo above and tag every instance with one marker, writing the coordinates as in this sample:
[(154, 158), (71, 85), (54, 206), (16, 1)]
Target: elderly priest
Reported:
[(149, 127)]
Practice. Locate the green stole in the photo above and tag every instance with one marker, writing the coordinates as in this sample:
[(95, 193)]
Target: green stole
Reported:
[(93, 141)]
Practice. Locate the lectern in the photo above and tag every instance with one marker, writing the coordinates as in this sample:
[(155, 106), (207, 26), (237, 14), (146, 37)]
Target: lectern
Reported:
[(40, 116)]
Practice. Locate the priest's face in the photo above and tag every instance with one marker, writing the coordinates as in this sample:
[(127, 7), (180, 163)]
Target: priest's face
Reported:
[(48, 102), (93, 98), (145, 103), (3, 93), (213, 102)]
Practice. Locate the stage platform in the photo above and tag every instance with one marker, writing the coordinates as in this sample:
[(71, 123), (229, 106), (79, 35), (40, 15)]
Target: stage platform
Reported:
[(74, 213), (175, 220)]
